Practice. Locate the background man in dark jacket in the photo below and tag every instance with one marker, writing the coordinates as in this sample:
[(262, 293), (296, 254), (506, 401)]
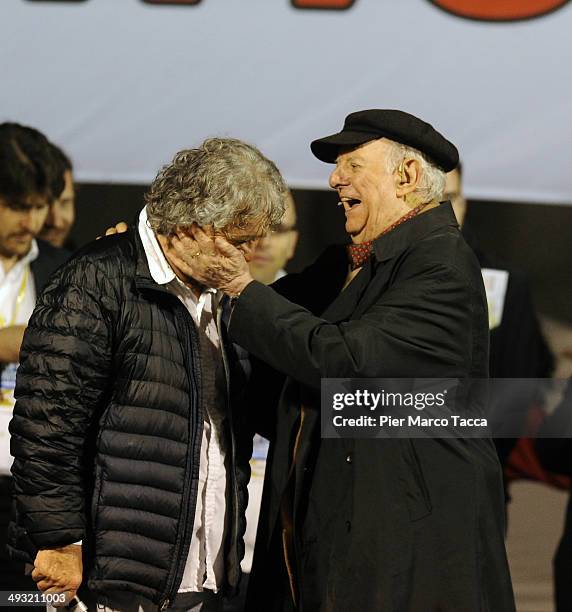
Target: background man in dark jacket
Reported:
[(517, 348), (370, 524), (29, 182), (127, 443)]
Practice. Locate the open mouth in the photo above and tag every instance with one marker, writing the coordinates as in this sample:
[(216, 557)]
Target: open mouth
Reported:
[(349, 203)]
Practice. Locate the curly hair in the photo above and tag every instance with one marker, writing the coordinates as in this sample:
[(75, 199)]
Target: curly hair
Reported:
[(432, 181), (223, 183)]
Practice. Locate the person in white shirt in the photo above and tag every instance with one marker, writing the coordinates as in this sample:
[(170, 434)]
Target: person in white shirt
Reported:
[(269, 259), (28, 184)]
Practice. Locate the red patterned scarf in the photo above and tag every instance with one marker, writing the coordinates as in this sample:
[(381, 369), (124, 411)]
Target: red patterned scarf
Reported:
[(359, 253)]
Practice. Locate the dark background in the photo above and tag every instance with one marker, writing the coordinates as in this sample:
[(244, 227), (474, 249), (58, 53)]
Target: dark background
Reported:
[(533, 237)]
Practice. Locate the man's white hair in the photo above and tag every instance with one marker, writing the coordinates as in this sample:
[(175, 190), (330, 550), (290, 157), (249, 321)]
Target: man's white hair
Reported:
[(432, 182)]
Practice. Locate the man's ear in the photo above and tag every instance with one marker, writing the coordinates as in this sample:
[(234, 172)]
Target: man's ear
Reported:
[(408, 176)]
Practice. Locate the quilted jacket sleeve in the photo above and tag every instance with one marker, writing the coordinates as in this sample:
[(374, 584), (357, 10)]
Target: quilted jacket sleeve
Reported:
[(62, 384)]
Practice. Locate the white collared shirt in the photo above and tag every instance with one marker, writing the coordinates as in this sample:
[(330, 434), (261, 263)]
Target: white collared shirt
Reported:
[(18, 278), (204, 568), (10, 284)]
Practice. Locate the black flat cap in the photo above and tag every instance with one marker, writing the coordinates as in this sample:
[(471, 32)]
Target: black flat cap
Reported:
[(366, 125)]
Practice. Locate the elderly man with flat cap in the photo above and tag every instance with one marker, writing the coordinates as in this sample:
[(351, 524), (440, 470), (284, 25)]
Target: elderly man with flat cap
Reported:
[(408, 525)]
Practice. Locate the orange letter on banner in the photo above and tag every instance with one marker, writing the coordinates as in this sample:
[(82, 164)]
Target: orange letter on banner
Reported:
[(323, 4), (499, 10)]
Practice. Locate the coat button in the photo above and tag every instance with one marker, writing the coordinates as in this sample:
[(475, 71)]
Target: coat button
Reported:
[(348, 526), (349, 458)]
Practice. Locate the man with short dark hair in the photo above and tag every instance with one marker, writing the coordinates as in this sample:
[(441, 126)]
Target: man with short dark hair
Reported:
[(61, 214), (27, 181), (518, 348), (267, 265), (276, 249), (349, 525)]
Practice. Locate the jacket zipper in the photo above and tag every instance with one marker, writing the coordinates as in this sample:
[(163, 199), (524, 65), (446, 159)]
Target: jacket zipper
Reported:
[(170, 592)]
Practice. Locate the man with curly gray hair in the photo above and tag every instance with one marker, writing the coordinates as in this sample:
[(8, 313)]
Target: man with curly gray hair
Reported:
[(127, 379), (225, 183)]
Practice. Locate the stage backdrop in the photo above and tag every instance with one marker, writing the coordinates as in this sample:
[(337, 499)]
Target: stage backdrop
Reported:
[(123, 84)]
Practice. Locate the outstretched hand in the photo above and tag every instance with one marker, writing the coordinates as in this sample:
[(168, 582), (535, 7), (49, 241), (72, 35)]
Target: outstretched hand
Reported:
[(213, 262)]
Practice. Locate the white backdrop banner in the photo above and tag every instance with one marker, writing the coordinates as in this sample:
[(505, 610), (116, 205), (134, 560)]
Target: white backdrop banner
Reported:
[(123, 84)]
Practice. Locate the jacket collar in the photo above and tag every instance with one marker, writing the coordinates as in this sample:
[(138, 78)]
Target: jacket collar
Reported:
[(344, 305), (143, 277), (393, 243)]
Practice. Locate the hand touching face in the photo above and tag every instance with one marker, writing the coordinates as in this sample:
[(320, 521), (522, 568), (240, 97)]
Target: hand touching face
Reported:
[(212, 261)]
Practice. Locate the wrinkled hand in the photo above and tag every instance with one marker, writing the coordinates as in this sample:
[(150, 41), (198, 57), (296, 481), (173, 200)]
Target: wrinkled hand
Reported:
[(213, 262), (59, 570), (118, 228)]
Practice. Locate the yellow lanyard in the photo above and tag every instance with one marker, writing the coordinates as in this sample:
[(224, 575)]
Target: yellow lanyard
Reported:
[(19, 300)]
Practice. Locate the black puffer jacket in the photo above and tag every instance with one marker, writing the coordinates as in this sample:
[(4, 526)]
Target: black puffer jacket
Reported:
[(108, 422)]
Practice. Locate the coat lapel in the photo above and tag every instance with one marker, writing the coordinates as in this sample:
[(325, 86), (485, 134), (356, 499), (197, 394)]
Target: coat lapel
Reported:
[(374, 276)]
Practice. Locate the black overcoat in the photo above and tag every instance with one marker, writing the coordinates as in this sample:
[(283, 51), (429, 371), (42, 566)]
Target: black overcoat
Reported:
[(402, 525)]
